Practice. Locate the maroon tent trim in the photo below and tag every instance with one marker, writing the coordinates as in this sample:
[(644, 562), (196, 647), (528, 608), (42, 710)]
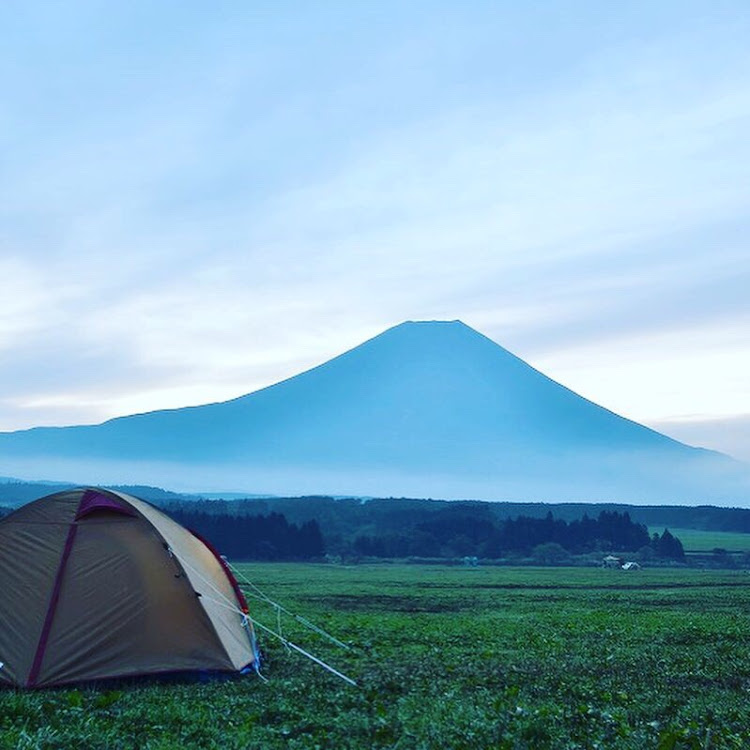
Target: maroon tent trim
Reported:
[(227, 571), (93, 501), (51, 608)]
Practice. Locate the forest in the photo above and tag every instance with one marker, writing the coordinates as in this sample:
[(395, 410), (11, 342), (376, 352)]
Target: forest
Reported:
[(269, 537), (311, 528), (306, 528), (545, 540), (453, 530)]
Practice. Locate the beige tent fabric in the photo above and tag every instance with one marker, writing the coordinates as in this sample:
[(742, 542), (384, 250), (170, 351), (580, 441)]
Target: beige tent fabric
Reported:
[(109, 594), (207, 577), (31, 541)]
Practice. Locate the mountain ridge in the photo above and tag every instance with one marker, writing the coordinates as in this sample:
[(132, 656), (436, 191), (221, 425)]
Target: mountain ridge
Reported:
[(424, 404)]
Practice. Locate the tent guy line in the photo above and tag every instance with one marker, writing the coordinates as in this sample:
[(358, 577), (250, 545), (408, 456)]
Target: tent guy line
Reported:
[(246, 617)]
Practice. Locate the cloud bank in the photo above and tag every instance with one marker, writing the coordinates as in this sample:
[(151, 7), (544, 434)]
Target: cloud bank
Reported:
[(196, 202)]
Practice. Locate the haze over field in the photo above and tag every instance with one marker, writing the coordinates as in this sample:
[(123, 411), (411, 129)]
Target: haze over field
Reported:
[(424, 409), (198, 200)]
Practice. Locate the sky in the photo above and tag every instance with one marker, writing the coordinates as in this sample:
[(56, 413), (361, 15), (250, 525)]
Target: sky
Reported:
[(200, 199)]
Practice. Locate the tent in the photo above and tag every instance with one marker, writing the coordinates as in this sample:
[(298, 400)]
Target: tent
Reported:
[(96, 584)]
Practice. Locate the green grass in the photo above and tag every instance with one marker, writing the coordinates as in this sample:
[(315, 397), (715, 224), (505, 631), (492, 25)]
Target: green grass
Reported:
[(695, 540), (450, 658)]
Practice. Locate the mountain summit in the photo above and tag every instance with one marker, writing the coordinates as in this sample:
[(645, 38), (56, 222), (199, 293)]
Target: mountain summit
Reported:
[(424, 409)]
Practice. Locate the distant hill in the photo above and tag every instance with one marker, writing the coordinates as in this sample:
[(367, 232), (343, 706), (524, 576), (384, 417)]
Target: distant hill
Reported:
[(426, 409), (341, 515), (345, 517), (14, 492)]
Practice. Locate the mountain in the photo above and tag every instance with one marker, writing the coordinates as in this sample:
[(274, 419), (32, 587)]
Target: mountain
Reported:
[(15, 492), (424, 409)]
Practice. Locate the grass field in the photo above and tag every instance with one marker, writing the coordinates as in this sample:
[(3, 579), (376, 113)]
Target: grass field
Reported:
[(694, 540), (449, 658)]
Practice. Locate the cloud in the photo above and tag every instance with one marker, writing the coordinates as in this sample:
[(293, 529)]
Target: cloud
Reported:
[(195, 205)]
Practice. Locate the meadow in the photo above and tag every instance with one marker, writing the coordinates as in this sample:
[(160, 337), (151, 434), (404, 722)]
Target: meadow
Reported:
[(447, 657), (696, 540)]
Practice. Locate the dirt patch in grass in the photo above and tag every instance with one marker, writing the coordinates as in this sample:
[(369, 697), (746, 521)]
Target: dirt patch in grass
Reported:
[(380, 603)]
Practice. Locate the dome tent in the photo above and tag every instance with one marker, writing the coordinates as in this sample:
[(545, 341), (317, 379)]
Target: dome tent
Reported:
[(96, 584)]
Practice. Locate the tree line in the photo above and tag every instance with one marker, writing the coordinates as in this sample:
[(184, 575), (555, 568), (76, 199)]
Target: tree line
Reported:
[(456, 535), (269, 537), (402, 529), (311, 527)]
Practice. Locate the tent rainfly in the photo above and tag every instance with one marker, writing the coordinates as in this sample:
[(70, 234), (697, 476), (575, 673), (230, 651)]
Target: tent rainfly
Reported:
[(96, 584)]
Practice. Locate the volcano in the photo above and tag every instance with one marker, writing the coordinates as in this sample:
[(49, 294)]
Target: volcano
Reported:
[(425, 409)]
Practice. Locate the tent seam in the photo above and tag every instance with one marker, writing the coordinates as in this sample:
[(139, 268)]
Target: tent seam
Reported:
[(52, 607)]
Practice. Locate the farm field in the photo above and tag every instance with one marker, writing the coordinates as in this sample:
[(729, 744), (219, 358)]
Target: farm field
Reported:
[(695, 540), (448, 657)]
